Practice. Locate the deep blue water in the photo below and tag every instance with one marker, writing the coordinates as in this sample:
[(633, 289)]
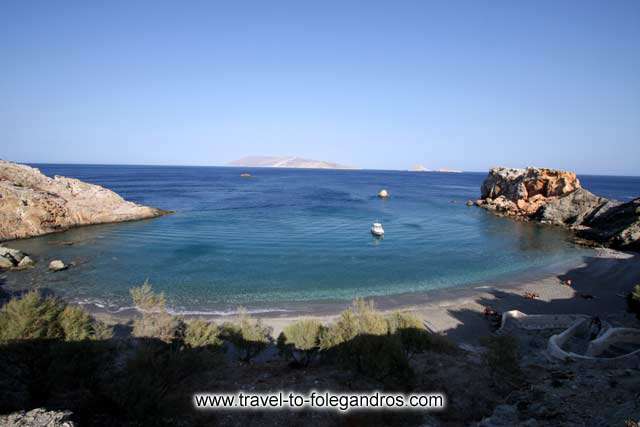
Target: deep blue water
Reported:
[(287, 236)]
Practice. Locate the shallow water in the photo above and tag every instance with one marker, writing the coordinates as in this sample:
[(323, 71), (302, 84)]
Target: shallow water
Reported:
[(287, 236)]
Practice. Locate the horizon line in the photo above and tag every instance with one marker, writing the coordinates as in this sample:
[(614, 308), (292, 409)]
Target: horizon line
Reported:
[(355, 169)]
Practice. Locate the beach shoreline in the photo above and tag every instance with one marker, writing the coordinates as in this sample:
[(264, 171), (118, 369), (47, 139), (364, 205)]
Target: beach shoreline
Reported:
[(599, 286)]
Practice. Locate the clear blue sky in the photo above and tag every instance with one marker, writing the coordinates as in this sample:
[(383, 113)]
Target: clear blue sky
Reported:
[(459, 84)]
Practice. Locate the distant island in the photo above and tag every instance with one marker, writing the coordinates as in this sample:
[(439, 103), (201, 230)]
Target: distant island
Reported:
[(421, 168), (285, 162)]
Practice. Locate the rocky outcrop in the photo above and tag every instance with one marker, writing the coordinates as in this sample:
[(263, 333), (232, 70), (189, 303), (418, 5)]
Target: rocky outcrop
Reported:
[(38, 417), (521, 192), (13, 259), (617, 225), (556, 197), (33, 204)]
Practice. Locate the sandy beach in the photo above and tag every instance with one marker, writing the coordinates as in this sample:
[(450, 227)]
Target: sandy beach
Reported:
[(599, 286)]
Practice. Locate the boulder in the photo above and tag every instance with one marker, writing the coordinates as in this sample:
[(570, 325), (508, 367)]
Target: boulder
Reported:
[(26, 262), (57, 265), (12, 254), (6, 263), (34, 204)]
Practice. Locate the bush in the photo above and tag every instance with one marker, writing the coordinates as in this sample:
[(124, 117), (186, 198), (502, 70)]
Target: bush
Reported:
[(380, 357), (633, 301), (163, 326), (31, 317), (300, 340), (414, 337), (155, 321), (146, 300), (77, 325), (360, 318), (502, 358), (248, 335), (36, 317), (361, 340), (399, 320), (199, 333)]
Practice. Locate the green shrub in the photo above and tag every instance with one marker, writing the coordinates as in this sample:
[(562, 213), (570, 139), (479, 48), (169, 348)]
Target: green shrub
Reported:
[(36, 317), (399, 320), (414, 337), (360, 318), (76, 324), (502, 358), (31, 317), (380, 357), (248, 335), (360, 340), (199, 333), (102, 331), (155, 321), (300, 340), (146, 300), (163, 326), (633, 301)]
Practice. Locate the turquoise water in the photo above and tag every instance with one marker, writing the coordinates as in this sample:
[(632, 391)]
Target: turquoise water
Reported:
[(288, 236)]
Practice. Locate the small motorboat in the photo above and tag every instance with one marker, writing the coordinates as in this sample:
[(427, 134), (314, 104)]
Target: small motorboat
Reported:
[(376, 229)]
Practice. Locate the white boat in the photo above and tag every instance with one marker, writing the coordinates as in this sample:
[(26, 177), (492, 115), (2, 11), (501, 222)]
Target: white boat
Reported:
[(376, 229)]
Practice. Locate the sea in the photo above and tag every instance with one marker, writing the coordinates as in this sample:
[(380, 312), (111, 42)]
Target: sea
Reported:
[(292, 239)]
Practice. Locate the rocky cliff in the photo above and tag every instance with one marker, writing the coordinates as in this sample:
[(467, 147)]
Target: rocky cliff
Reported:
[(556, 197), (32, 204)]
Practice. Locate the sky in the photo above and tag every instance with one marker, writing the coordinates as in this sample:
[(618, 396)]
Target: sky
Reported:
[(381, 85)]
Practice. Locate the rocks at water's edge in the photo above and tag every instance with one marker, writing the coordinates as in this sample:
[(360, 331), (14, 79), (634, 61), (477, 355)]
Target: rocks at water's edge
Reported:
[(57, 265), (13, 259), (556, 197), (32, 204)]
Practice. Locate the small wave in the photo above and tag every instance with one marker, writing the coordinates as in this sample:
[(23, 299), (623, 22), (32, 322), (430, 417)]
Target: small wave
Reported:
[(225, 313), (177, 312)]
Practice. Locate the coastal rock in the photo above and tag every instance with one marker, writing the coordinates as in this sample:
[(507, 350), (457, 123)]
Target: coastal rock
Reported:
[(572, 209), (34, 204), (6, 263), (12, 254), (556, 197), (38, 417), (525, 184), (26, 262), (12, 258), (616, 225), (57, 265)]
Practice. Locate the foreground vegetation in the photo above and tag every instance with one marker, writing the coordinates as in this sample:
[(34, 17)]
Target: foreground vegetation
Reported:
[(56, 355)]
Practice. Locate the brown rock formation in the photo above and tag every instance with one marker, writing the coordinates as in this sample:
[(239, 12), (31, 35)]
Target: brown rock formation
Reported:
[(32, 204), (521, 192), (556, 197)]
